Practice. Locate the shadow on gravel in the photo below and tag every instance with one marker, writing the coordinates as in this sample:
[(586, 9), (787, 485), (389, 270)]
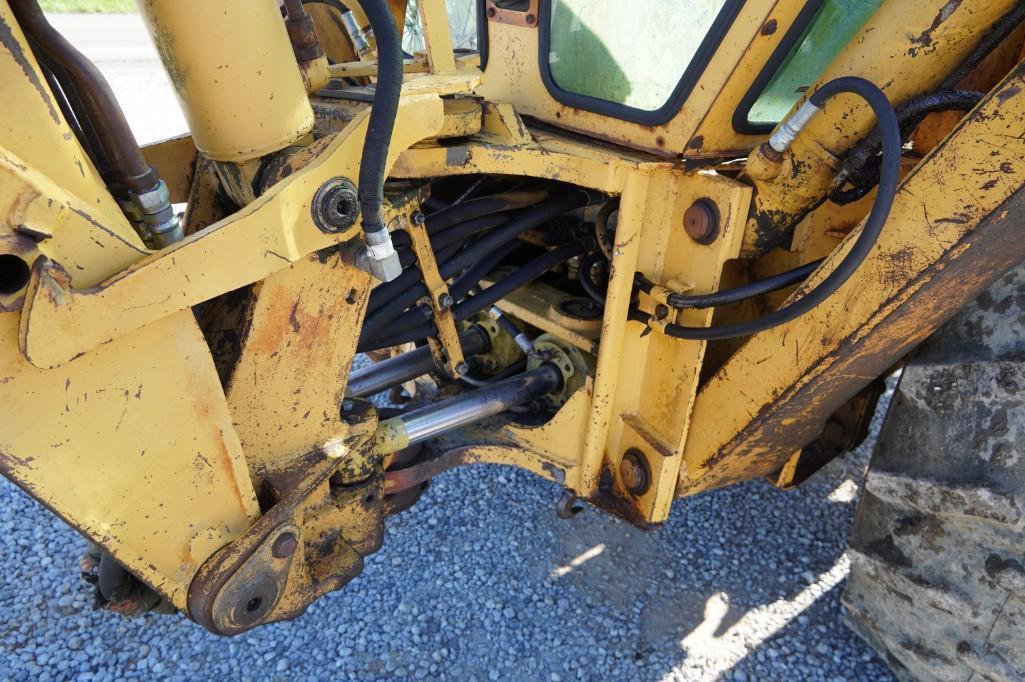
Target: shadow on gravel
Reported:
[(482, 581)]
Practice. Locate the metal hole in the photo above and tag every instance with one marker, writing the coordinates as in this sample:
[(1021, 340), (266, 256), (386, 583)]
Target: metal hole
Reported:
[(14, 273)]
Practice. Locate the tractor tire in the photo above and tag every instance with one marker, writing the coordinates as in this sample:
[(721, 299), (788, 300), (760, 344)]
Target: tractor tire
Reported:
[(937, 551)]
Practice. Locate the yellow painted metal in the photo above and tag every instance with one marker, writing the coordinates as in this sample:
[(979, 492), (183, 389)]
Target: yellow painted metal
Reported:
[(513, 75), (369, 68), (61, 323), (935, 37), (175, 161), (35, 132), (448, 351), (537, 304), (243, 98), (643, 403), (434, 20), (302, 317), (716, 137), (120, 441), (52, 201), (928, 260)]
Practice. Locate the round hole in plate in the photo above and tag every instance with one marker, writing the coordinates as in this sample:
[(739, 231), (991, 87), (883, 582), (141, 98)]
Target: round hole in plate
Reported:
[(14, 273)]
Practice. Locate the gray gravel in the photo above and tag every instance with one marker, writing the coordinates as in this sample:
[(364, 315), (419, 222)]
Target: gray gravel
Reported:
[(481, 581)]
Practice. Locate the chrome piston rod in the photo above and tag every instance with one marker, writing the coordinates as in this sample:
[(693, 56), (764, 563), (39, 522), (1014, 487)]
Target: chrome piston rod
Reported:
[(402, 368), (425, 423)]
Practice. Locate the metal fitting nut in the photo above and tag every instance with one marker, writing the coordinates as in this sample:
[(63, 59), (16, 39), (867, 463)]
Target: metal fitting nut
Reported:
[(387, 268)]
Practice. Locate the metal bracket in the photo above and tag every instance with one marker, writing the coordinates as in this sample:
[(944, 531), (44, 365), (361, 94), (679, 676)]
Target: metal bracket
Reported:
[(60, 323), (440, 300), (516, 17), (279, 566)]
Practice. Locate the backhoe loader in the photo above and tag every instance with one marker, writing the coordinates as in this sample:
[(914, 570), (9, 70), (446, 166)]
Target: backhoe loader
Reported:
[(641, 249)]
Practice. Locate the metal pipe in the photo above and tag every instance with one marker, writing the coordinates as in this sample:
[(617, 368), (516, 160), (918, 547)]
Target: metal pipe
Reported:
[(402, 368), (97, 98), (143, 196), (417, 426)]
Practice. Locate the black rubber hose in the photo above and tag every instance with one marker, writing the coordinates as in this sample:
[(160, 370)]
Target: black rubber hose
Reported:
[(996, 35), (374, 162), (459, 289), (465, 283), (865, 177), (442, 220), (337, 4), (471, 306), (443, 248), (585, 277), (889, 181), (552, 208), (741, 293)]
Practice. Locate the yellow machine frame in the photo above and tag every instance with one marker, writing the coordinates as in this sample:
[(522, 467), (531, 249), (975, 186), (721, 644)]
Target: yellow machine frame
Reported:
[(112, 409)]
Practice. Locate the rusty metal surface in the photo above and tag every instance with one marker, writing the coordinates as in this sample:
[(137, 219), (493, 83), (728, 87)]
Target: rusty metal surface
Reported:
[(244, 584), (967, 199), (527, 16)]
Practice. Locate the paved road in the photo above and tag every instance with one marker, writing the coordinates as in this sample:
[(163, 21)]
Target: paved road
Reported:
[(481, 580)]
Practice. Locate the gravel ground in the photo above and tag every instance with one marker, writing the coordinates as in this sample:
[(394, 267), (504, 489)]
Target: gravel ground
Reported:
[(481, 581)]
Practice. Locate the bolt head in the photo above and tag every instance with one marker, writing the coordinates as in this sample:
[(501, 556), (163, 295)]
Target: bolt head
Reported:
[(446, 301), (419, 218), (634, 472), (701, 221), (285, 545), (462, 368)]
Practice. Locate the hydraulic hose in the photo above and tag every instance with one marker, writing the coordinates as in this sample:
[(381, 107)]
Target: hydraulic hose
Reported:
[(444, 248), (374, 161), (741, 293), (471, 306), (856, 168), (99, 104), (585, 277), (460, 288), (455, 214), (890, 178), (477, 251)]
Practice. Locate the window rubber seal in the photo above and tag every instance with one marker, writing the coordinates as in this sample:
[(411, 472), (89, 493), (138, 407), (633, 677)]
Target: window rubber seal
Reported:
[(665, 113), (741, 123)]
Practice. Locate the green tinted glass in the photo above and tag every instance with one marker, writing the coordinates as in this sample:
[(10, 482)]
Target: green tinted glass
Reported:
[(632, 53), (833, 26)]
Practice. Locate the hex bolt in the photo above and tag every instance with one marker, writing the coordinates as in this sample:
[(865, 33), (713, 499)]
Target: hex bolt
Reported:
[(634, 472), (701, 221), (419, 218), (462, 369), (285, 545), (661, 311), (445, 301)]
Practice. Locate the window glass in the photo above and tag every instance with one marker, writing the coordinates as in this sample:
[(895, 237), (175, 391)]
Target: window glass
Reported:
[(462, 20), (833, 26), (632, 53)]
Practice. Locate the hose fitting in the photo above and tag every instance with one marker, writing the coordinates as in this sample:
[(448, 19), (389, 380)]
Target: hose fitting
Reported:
[(792, 127)]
